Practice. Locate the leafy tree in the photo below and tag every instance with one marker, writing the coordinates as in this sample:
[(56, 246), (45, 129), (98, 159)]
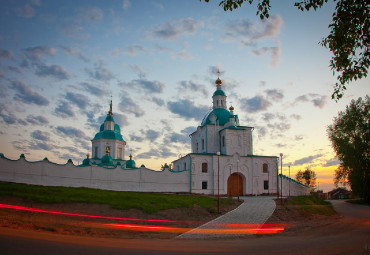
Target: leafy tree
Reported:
[(350, 138), (307, 177), (349, 39)]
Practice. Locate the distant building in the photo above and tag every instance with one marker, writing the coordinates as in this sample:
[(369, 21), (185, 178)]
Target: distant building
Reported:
[(339, 193)]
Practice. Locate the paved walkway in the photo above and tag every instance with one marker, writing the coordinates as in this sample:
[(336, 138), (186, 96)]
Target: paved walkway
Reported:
[(254, 210)]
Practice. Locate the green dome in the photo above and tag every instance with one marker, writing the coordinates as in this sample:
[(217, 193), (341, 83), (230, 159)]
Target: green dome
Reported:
[(130, 163), (219, 92), (109, 118), (101, 127), (107, 160), (222, 117), (86, 162), (117, 129), (108, 134)]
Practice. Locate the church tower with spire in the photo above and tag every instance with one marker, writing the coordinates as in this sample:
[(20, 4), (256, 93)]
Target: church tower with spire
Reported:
[(108, 146)]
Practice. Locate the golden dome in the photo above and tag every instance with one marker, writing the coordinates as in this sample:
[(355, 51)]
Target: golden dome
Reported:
[(231, 108), (218, 81)]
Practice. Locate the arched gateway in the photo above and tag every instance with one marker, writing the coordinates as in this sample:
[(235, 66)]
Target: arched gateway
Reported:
[(235, 185)]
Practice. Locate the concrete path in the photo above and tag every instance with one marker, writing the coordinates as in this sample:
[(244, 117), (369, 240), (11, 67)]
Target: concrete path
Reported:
[(254, 210)]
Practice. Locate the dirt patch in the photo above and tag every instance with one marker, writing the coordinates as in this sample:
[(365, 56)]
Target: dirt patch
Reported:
[(296, 220), (163, 224)]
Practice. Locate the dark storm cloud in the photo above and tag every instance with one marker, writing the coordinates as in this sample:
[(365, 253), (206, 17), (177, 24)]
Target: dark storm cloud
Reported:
[(81, 101), (189, 86), (64, 110), (127, 105), (306, 160), (26, 95), (39, 135), (37, 120), (174, 29), (255, 104), (55, 71), (187, 109)]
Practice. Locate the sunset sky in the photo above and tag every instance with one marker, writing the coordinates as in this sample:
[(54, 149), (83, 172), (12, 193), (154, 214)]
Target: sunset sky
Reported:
[(60, 62)]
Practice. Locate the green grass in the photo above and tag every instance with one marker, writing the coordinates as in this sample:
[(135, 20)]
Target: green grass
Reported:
[(312, 204), (147, 202)]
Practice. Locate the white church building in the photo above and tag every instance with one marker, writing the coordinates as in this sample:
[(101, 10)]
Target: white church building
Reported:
[(222, 159), (221, 162)]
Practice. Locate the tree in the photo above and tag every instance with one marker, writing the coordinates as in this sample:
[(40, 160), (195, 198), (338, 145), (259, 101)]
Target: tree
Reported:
[(350, 138), (307, 177), (349, 39)]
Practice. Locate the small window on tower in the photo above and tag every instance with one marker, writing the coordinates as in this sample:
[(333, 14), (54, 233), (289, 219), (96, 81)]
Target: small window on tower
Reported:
[(204, 185), (223, 141), (196, 149), (265, 168), (96, 152), (266, 185), (202, 144), (185, 166), (204, 168)]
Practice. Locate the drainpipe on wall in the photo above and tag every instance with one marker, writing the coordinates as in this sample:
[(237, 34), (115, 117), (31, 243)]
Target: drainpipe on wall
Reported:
[(190, 175)]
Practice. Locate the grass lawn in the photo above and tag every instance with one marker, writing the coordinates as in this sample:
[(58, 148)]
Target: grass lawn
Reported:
[(312, 204), (147, 202)]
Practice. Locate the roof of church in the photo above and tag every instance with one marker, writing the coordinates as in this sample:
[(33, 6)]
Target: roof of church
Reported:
[(222, 117), (219, 92), (109, 134)]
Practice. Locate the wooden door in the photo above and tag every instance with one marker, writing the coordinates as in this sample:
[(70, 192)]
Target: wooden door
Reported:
[(235, 185)]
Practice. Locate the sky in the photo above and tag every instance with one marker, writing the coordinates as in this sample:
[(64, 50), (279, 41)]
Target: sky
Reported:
[(61, 61)]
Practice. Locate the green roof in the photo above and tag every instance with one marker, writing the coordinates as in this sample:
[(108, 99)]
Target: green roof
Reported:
[(219, 92), (108, 134), (107, 160), (222, 115), (109, 118), (130, 163)]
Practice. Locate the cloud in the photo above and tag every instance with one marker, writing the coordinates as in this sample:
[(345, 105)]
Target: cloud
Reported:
[(121, 120), (157, 101), (175, 28), (177, 138), (75, 52), (64, 110), (127, 105), (26, 95), (134, 50), (100, 73), (270, 27), (39, 135), (332, 162), (41, 146), (248, 34), (317, 100), (35, 54), (95, 90), (7, 54), (255, 104), (14, 69), (136, 138), (274, 94), (25, 11), (307, 160), (298, 138), (189, 86), (295, 116), (77, 99), (55, 71), (71, 132), (37, 120), (187, 109), (126, 4), (93, 14), (147, 86), (273, 51), (152, 135), (268, 116)]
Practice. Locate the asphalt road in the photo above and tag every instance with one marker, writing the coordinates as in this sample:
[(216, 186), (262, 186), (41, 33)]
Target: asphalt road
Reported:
[(350, 236)]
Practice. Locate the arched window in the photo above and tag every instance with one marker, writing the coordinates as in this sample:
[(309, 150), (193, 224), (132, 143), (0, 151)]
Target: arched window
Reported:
[(204, 168), (265, 168), (202, 144), (223, 141)]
